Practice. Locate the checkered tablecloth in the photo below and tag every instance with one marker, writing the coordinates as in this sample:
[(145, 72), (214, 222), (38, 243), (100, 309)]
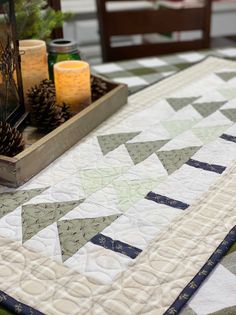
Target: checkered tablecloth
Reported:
[(140, 73)]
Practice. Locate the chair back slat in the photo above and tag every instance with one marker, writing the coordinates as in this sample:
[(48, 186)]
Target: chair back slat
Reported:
[(164, 20), (147, 21), (148, 50)]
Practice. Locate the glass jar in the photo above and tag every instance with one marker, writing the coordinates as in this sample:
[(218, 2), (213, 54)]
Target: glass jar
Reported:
[(61, 50)]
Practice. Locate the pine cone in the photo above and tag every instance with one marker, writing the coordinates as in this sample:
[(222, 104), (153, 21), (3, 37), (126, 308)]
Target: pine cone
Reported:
[(98, 88), (46, 114), (49, 85), (11, 140), (65, 109)]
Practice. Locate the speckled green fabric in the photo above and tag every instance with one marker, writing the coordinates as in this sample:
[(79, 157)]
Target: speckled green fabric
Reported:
[(172, 160), (229, 261), (229, 93), (226, 311), (94, 179), (232, 249), (11, 200), (110, 142), (140, 151), (36, 217), (130, 192), (176, 127), (179, 103), (209, 134), (226, 76), (75, 233), (206, 109), (230, 113)]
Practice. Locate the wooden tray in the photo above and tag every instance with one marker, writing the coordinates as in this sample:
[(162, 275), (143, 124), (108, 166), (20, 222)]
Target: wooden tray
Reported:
[(17, 170)]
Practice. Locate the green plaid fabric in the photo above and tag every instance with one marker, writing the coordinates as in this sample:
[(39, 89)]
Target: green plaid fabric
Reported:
[(140, 73)]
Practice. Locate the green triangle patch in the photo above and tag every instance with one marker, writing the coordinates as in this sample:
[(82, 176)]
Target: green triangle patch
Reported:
[(206, 109), (230, 251), (181, 102), (174, 159), (9, 201), (230, 310), (110, 142), (226, 76), (209, 134), (74, 234), (36, 217), (130, 192), (94, 179), (228, 93), (230, 113), (176, 127), (140, 151)]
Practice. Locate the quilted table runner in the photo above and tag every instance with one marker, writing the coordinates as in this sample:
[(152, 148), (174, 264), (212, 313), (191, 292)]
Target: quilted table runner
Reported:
[(135, 217)]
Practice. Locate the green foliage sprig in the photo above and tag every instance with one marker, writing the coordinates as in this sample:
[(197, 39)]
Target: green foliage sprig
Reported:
[(36, 21)]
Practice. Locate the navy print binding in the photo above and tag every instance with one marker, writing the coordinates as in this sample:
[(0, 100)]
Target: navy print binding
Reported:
[(201, 276)]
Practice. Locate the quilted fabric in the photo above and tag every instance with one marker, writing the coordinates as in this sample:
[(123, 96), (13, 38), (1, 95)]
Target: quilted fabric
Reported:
[(124, 220)]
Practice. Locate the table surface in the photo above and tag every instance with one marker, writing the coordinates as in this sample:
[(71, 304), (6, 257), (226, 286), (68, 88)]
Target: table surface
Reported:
[(140, 73)]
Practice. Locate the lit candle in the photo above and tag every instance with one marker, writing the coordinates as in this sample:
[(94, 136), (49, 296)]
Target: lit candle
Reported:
[(34, 66), (72, 82)]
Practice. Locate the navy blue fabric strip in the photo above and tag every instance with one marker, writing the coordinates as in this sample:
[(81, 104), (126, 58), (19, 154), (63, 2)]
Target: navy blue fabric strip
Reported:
[(206, 167), (196, 282), (166, 201), (16, 307), (116, 246), (228, 137)]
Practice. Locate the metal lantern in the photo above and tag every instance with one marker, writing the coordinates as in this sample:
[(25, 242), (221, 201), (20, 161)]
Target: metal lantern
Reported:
[(11, 91)]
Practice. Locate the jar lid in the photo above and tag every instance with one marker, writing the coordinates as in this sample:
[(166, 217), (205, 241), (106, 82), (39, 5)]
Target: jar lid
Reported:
[(62, 46)]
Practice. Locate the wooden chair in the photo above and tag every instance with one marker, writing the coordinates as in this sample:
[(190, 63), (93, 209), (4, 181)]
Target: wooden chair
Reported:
[(147, 21)]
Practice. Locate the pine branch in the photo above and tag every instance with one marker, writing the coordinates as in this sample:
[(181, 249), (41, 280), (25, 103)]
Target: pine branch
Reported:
[(35, 22)]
